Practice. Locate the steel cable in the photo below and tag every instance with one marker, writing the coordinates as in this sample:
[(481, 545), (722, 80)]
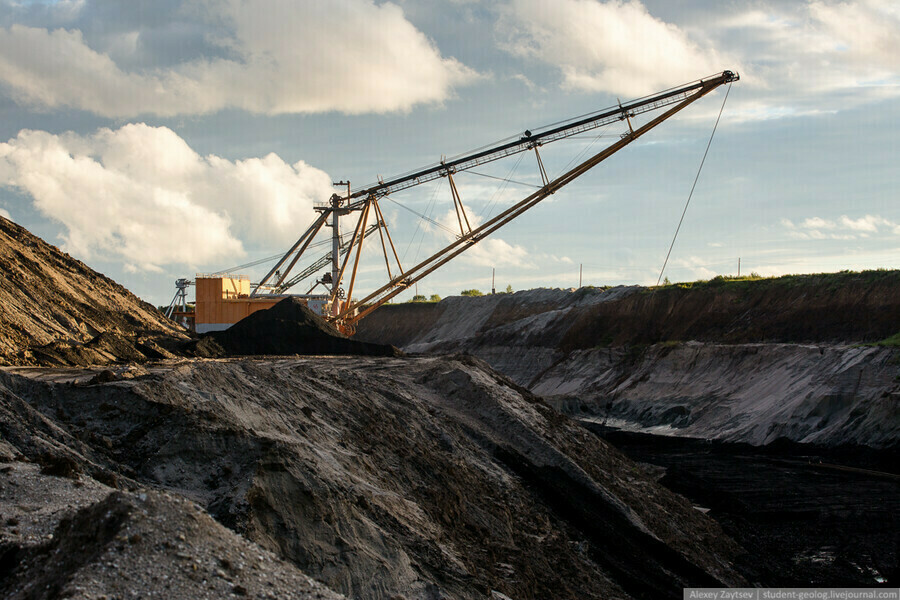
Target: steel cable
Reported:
[(696, 178)]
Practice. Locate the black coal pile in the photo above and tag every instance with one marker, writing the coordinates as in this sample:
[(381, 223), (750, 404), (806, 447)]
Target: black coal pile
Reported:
[(287, 328)]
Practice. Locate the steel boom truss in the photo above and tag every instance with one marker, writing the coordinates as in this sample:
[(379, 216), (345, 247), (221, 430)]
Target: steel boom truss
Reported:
[(347, 313)]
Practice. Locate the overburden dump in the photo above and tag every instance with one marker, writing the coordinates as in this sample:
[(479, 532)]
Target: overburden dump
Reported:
[(287, 328)]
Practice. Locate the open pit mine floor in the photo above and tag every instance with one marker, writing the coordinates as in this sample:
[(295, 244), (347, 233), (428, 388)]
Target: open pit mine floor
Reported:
[(809, 516)]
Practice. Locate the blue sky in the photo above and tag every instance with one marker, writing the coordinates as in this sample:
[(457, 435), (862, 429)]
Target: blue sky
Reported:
[(157, 139)]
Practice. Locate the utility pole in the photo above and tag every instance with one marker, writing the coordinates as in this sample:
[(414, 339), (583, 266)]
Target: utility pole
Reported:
[(493, 274), (579, 275), (739, 266)]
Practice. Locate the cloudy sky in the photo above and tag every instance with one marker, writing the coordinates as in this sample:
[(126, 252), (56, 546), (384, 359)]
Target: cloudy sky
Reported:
[(155, 139)]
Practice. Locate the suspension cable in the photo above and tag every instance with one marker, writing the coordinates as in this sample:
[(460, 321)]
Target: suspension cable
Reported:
[(423, 217), (344, 237), (502, 179), (428, 209), (584, 151), (486, 210), (691, 194)]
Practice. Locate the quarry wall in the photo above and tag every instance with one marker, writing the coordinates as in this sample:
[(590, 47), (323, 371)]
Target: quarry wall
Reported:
[(749, 361)]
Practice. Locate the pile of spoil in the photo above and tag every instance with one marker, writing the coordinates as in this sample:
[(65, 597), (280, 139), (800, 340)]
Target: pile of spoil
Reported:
[(287, 328), (57, 311), (408, 478), (73, 537)]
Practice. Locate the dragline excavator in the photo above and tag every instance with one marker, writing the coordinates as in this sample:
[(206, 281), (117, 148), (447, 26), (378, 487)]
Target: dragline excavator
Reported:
[(344, 310)]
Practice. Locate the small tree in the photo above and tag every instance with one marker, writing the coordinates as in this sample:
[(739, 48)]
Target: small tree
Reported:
[(434, 298), (418, 298), (509, 289), (471, 293)]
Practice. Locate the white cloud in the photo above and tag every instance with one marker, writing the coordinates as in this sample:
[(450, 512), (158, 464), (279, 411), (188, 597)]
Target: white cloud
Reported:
[(496, 252), (818, 223), (616, 46), (813, 57), (489, 252), (140, 194), (868, 223), (280, 57), (696, 266), (529, 85), (795, 59), (865, 31), (844, 228)]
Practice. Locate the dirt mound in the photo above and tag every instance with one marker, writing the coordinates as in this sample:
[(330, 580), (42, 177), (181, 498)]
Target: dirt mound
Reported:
[(382, 477), (116, 544), (54, 310), (287, 328)]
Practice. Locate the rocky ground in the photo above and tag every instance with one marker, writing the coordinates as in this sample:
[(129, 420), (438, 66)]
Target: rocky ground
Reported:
[(69, 536), (55, 310), (380, 477), (787, 434)]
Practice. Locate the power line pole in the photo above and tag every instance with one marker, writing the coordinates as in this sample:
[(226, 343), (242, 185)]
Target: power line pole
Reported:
[(739, 266), (579, 275), (493, 274)]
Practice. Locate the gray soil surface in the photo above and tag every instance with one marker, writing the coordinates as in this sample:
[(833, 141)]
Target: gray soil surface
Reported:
[(380, 477), (73, 537), (787, 434)]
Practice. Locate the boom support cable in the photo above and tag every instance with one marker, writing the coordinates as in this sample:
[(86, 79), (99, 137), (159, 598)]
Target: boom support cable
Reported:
[(422, 216), (697, 177), (488, 208), (506, 180)]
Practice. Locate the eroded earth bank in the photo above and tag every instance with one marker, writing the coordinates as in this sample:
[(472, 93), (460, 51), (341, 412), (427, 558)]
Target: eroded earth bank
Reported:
[(743, 361), (418, 477), (767, 403)]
